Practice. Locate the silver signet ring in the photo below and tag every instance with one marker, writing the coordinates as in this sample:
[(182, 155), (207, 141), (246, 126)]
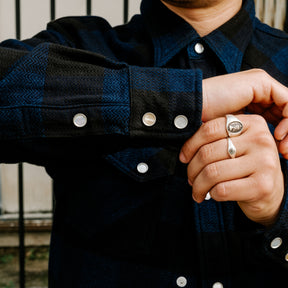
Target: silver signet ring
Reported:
[(234, 126)]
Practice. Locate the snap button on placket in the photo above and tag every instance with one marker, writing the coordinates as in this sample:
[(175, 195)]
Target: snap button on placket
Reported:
[(276, 243), (142, 168), (199, 48), (80, 120), (181, 281)]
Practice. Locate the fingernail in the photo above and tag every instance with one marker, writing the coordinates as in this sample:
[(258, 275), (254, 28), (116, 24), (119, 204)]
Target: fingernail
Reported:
[(196, 200), (182, 157), (279, 136)]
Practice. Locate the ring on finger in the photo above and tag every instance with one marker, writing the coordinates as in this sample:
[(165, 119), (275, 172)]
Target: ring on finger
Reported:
[(231, 148), (234, 126)]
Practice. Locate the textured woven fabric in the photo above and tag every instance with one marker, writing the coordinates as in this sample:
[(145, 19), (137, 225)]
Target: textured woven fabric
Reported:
[(115, 225)]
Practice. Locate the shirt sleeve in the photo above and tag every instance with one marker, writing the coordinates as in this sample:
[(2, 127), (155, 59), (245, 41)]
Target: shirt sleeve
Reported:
[(58, 91), (274, 239), (52, 91)]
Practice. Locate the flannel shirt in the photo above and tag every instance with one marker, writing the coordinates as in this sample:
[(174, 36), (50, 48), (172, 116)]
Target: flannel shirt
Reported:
[(99, 107)]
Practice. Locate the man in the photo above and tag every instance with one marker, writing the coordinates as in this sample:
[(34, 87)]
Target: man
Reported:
[(122, 117)]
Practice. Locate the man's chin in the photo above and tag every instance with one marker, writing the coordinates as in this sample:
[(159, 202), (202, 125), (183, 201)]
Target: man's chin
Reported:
[(191, 3)]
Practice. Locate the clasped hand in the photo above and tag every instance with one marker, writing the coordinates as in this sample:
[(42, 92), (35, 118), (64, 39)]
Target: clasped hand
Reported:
[(254, 178)]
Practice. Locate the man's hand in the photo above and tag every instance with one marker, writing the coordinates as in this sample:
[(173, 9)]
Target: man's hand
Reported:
[(254, 178), (253, 89)]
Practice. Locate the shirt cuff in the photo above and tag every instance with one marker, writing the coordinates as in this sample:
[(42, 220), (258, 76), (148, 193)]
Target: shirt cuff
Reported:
[(165, 103)]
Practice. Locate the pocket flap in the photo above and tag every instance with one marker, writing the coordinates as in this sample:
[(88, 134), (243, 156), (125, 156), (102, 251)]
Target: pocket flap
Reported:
[(145, 164)]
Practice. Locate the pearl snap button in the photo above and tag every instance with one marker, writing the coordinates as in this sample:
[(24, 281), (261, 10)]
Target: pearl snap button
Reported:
[(276, 243), (181, 281), (80, 120), (142, 168), (208, 197), (181, 122), (149, 119), (286, 257), (199, 48), (217, 285)]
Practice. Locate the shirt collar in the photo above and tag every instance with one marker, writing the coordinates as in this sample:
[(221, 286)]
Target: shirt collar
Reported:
[(170, 34)]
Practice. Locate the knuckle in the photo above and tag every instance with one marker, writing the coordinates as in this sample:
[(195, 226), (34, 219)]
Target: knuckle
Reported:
[(210, 129), (220, 192), (265, 185), (205, 153), (211, 171), (269, 163), (259, 131), (262, 75), (263, 140), (262, 81), (258, 119), (260, 72)]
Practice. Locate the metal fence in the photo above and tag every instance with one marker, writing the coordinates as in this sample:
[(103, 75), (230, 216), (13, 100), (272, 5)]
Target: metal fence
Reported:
[(20, 166)]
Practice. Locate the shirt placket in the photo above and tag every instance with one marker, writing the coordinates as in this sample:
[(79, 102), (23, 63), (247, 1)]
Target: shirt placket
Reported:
[(200, 56)]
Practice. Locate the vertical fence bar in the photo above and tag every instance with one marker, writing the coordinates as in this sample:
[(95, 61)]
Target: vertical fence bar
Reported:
[(126, 11), (286, 18), (88, 7), (21, 224), (52, 9), (21, 228), (18, 19), (52, 17)]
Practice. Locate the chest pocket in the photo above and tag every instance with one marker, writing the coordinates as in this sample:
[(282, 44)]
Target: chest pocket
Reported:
[(145, 164)]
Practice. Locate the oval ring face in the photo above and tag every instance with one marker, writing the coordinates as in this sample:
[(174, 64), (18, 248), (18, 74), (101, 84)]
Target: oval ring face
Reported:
[(234, 126)]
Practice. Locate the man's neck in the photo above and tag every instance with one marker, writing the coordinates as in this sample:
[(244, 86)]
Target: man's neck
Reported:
[(205, 20)]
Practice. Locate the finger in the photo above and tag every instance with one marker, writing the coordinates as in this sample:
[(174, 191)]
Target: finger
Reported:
[(285, 156), (255, 108), (281, 130), (273, 115), (279, 94), (214, 152), (239, 190), (276, 112), (219, 172), (209, 132), (283, 147), (285, 110), (257, 201)]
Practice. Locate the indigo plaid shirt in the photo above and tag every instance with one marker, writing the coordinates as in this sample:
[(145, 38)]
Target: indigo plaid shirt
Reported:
[(106, 111)]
